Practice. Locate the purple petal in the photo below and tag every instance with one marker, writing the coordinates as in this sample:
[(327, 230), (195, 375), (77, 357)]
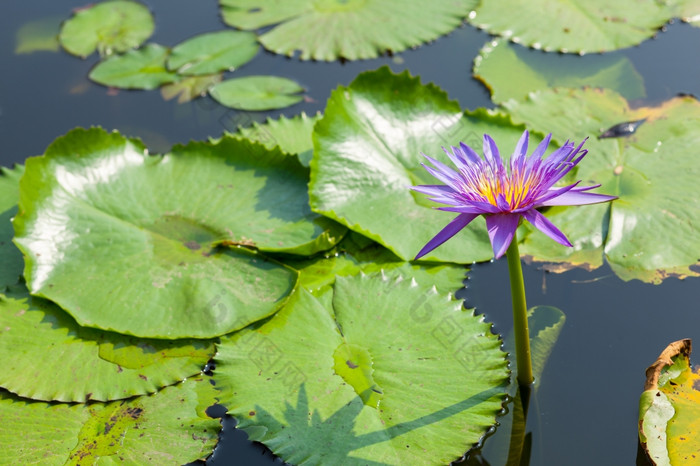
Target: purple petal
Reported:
[(483, 207), (452, 228), (469, 153), (464, 209), (577, 197), (445, 178), (541, 148), (551, 193), (433, 189), (442, 167), (491, 151), (501, 230), (545, 226), (521, 146)]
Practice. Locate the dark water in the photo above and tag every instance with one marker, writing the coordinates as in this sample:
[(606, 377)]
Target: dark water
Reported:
[(585, 411)]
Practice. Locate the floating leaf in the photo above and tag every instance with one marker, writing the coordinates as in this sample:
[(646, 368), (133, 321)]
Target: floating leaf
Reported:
[(351, 257), (422, 382), (110, 27), (40, 35), (213, 52), (190, 88), (136, 244), (650, 170), (137, 69), (291, 135), (367, 152), (257, 92), (499, 60), (169, 427), (350, 29), (591, 26), (669, 408), (49, 357), (10, 257)]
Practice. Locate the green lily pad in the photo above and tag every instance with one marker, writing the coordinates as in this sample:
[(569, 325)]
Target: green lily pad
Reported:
[(110, 27), (10, 257), (122, 432), (49, 357), (367, 152), (499, 60), (648, 169), (137, 69), (352, 257), (422, 382), (40, 35), (669, 408), (190, 87), (137, 244), (349, 29), (257, 93), (591, 26), (213, 52), (291, 135)]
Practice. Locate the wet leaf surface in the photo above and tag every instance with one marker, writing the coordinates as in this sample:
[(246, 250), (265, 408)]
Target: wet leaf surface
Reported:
[(213, 52)]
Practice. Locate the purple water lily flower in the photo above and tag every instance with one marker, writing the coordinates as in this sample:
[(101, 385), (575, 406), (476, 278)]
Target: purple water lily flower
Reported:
[(505, 192)]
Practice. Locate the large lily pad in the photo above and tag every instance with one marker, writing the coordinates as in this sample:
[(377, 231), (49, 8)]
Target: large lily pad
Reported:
[(349, 29), (393, 373), (110, 27), (140, 244), (651, 170), (590, 26), (367, 154), (167, 428), (49, 357), (213, 52), (257, 92), (499, 60), (137, 69), (10, 257), (291, 135), (669, 408)]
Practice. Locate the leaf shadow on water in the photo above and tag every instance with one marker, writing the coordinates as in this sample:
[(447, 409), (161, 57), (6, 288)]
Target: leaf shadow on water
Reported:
[(322, 436)]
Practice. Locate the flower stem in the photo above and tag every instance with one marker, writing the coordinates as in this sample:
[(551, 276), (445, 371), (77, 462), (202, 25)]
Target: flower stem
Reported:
[(522, 334)]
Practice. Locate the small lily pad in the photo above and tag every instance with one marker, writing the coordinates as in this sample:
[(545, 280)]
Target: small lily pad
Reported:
[(190, 87), (108, 27), (499, 60), (421, 381), (291, 135), (257, 93), (349, 29), (39, 35), (565, 26), (213, 52), (122, 432), (10, 257), (49, 357), (367, 152), (137, 69), (669, 408), (176, 235)]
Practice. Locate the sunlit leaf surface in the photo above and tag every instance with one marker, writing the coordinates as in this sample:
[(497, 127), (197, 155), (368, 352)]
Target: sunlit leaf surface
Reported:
[(108, 27), (499, 60), (160, 246), (349, 29), (257, 92), (669, 408), (137, 69), (213, 52), (392, 373), (49, 357), (368, 152), (651, 232), (167, 428), (291, 135), (566, 26)]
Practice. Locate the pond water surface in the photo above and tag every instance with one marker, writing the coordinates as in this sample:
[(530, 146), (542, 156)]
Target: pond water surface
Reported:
[(585, 411)]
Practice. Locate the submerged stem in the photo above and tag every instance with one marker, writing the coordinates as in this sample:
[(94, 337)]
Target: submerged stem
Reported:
[(522, 334)]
